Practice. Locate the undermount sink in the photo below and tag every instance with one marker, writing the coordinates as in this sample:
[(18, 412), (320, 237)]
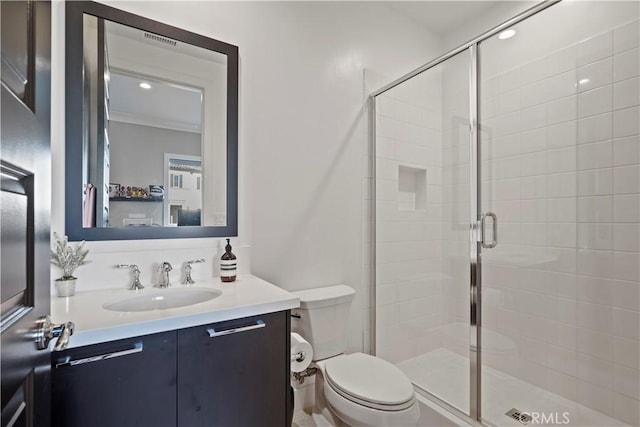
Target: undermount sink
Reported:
[(163, 299)]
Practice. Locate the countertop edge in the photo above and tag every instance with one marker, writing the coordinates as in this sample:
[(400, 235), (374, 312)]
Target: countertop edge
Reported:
[(97, 336)]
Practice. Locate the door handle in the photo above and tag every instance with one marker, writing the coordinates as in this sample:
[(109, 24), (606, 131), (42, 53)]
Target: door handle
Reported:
[(46, 331), (494, 237)]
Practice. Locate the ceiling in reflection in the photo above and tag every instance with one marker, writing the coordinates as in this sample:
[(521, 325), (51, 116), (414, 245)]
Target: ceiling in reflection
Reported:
[(154, 102)]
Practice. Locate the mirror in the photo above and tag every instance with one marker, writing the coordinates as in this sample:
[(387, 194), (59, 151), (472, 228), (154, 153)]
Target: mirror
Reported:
[(151, 145)]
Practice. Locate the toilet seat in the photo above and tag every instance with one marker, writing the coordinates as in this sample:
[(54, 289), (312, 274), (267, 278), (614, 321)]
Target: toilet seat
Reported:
[(369, 381)]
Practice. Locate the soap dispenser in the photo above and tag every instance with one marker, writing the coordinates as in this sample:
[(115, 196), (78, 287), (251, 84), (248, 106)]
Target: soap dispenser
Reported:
[(228, 264)]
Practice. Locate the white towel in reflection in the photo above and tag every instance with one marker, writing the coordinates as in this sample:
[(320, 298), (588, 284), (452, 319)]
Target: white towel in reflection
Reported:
[(89, 207)]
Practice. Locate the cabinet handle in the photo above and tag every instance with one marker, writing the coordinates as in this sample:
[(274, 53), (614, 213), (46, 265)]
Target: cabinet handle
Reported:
[(137, 348), (213, 333)]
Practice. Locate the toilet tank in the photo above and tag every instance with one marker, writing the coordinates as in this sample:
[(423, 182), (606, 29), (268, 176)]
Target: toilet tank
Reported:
[(323, 319)]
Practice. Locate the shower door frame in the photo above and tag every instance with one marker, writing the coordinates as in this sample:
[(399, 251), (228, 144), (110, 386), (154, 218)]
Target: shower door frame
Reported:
[(475, 241)]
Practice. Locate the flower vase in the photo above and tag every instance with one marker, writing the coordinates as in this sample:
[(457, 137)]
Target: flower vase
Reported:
[(66, 287)]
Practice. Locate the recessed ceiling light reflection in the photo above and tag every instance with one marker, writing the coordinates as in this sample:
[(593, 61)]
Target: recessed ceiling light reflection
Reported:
[(507, 34), (584, 81), (145, 85)]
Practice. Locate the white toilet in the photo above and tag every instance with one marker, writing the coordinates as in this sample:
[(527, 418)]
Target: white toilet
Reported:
[(358, 389)]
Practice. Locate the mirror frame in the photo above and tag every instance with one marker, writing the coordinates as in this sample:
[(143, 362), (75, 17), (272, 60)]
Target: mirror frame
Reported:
[(73, 139)]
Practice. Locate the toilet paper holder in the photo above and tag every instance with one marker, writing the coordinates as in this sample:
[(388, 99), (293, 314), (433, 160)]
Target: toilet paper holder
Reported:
[(301, 353), (300, 376), (299, 356)]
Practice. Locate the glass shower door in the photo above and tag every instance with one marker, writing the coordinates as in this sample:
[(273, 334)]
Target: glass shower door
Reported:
[(559, 145), (422, 229)]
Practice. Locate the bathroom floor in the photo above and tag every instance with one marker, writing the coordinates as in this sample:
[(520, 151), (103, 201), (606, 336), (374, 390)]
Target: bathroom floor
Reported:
[(442, 372), (303, 419)]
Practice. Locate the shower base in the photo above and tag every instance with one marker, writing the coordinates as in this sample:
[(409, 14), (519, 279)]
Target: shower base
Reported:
[(443, 373)]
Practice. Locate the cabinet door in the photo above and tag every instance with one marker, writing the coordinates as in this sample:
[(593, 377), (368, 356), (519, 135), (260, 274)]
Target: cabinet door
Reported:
[(234, 373), (129, 382)]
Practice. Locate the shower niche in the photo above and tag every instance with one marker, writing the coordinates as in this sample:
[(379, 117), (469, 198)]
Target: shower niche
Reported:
[(412, 189)]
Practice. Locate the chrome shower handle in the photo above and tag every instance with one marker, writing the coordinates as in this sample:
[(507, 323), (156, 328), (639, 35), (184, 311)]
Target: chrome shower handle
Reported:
[(494, 242)]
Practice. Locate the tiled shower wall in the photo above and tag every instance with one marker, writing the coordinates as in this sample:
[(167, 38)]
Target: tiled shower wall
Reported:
[(409, 304), (561, 168), (422, 267)]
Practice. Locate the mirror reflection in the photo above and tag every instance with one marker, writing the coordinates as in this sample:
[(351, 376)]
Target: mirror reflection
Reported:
[(154, 130)]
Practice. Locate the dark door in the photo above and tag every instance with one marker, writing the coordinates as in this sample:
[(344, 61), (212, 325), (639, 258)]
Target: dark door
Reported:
[(25, 209)]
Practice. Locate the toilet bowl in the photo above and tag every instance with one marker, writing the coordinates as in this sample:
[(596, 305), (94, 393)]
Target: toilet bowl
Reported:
[(364, 390), (358, 389)]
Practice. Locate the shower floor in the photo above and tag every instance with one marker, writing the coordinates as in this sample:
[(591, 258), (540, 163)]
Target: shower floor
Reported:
[(443, 373)]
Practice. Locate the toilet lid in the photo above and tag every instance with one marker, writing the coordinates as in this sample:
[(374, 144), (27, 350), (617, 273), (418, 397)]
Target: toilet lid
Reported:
[(366, 378)]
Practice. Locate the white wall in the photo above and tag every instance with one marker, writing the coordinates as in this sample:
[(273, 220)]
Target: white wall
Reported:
[(311, 146), (303, 138), (131, 144), (133, 166)]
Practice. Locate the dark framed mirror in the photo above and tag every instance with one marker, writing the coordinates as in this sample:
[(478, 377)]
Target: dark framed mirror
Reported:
[(151, 129)]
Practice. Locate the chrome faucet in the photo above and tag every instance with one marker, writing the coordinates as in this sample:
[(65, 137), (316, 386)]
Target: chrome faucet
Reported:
[(187, 271), (136, 275), (165, 268)]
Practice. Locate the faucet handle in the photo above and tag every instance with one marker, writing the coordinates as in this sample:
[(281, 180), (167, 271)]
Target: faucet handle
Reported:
[(165, 267), (133, 266), (136, 275), (188, 280)]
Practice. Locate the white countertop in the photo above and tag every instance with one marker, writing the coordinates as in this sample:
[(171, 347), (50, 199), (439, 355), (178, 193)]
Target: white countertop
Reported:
[(247, 296)]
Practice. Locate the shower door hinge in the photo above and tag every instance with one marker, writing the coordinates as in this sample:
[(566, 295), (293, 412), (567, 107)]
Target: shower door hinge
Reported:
[(475, 234)]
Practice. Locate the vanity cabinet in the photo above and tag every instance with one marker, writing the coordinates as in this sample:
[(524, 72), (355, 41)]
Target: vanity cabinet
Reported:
[(232, 373), (130, 382)]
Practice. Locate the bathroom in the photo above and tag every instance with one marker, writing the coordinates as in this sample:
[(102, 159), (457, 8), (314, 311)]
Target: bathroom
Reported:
[(567, 331)]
